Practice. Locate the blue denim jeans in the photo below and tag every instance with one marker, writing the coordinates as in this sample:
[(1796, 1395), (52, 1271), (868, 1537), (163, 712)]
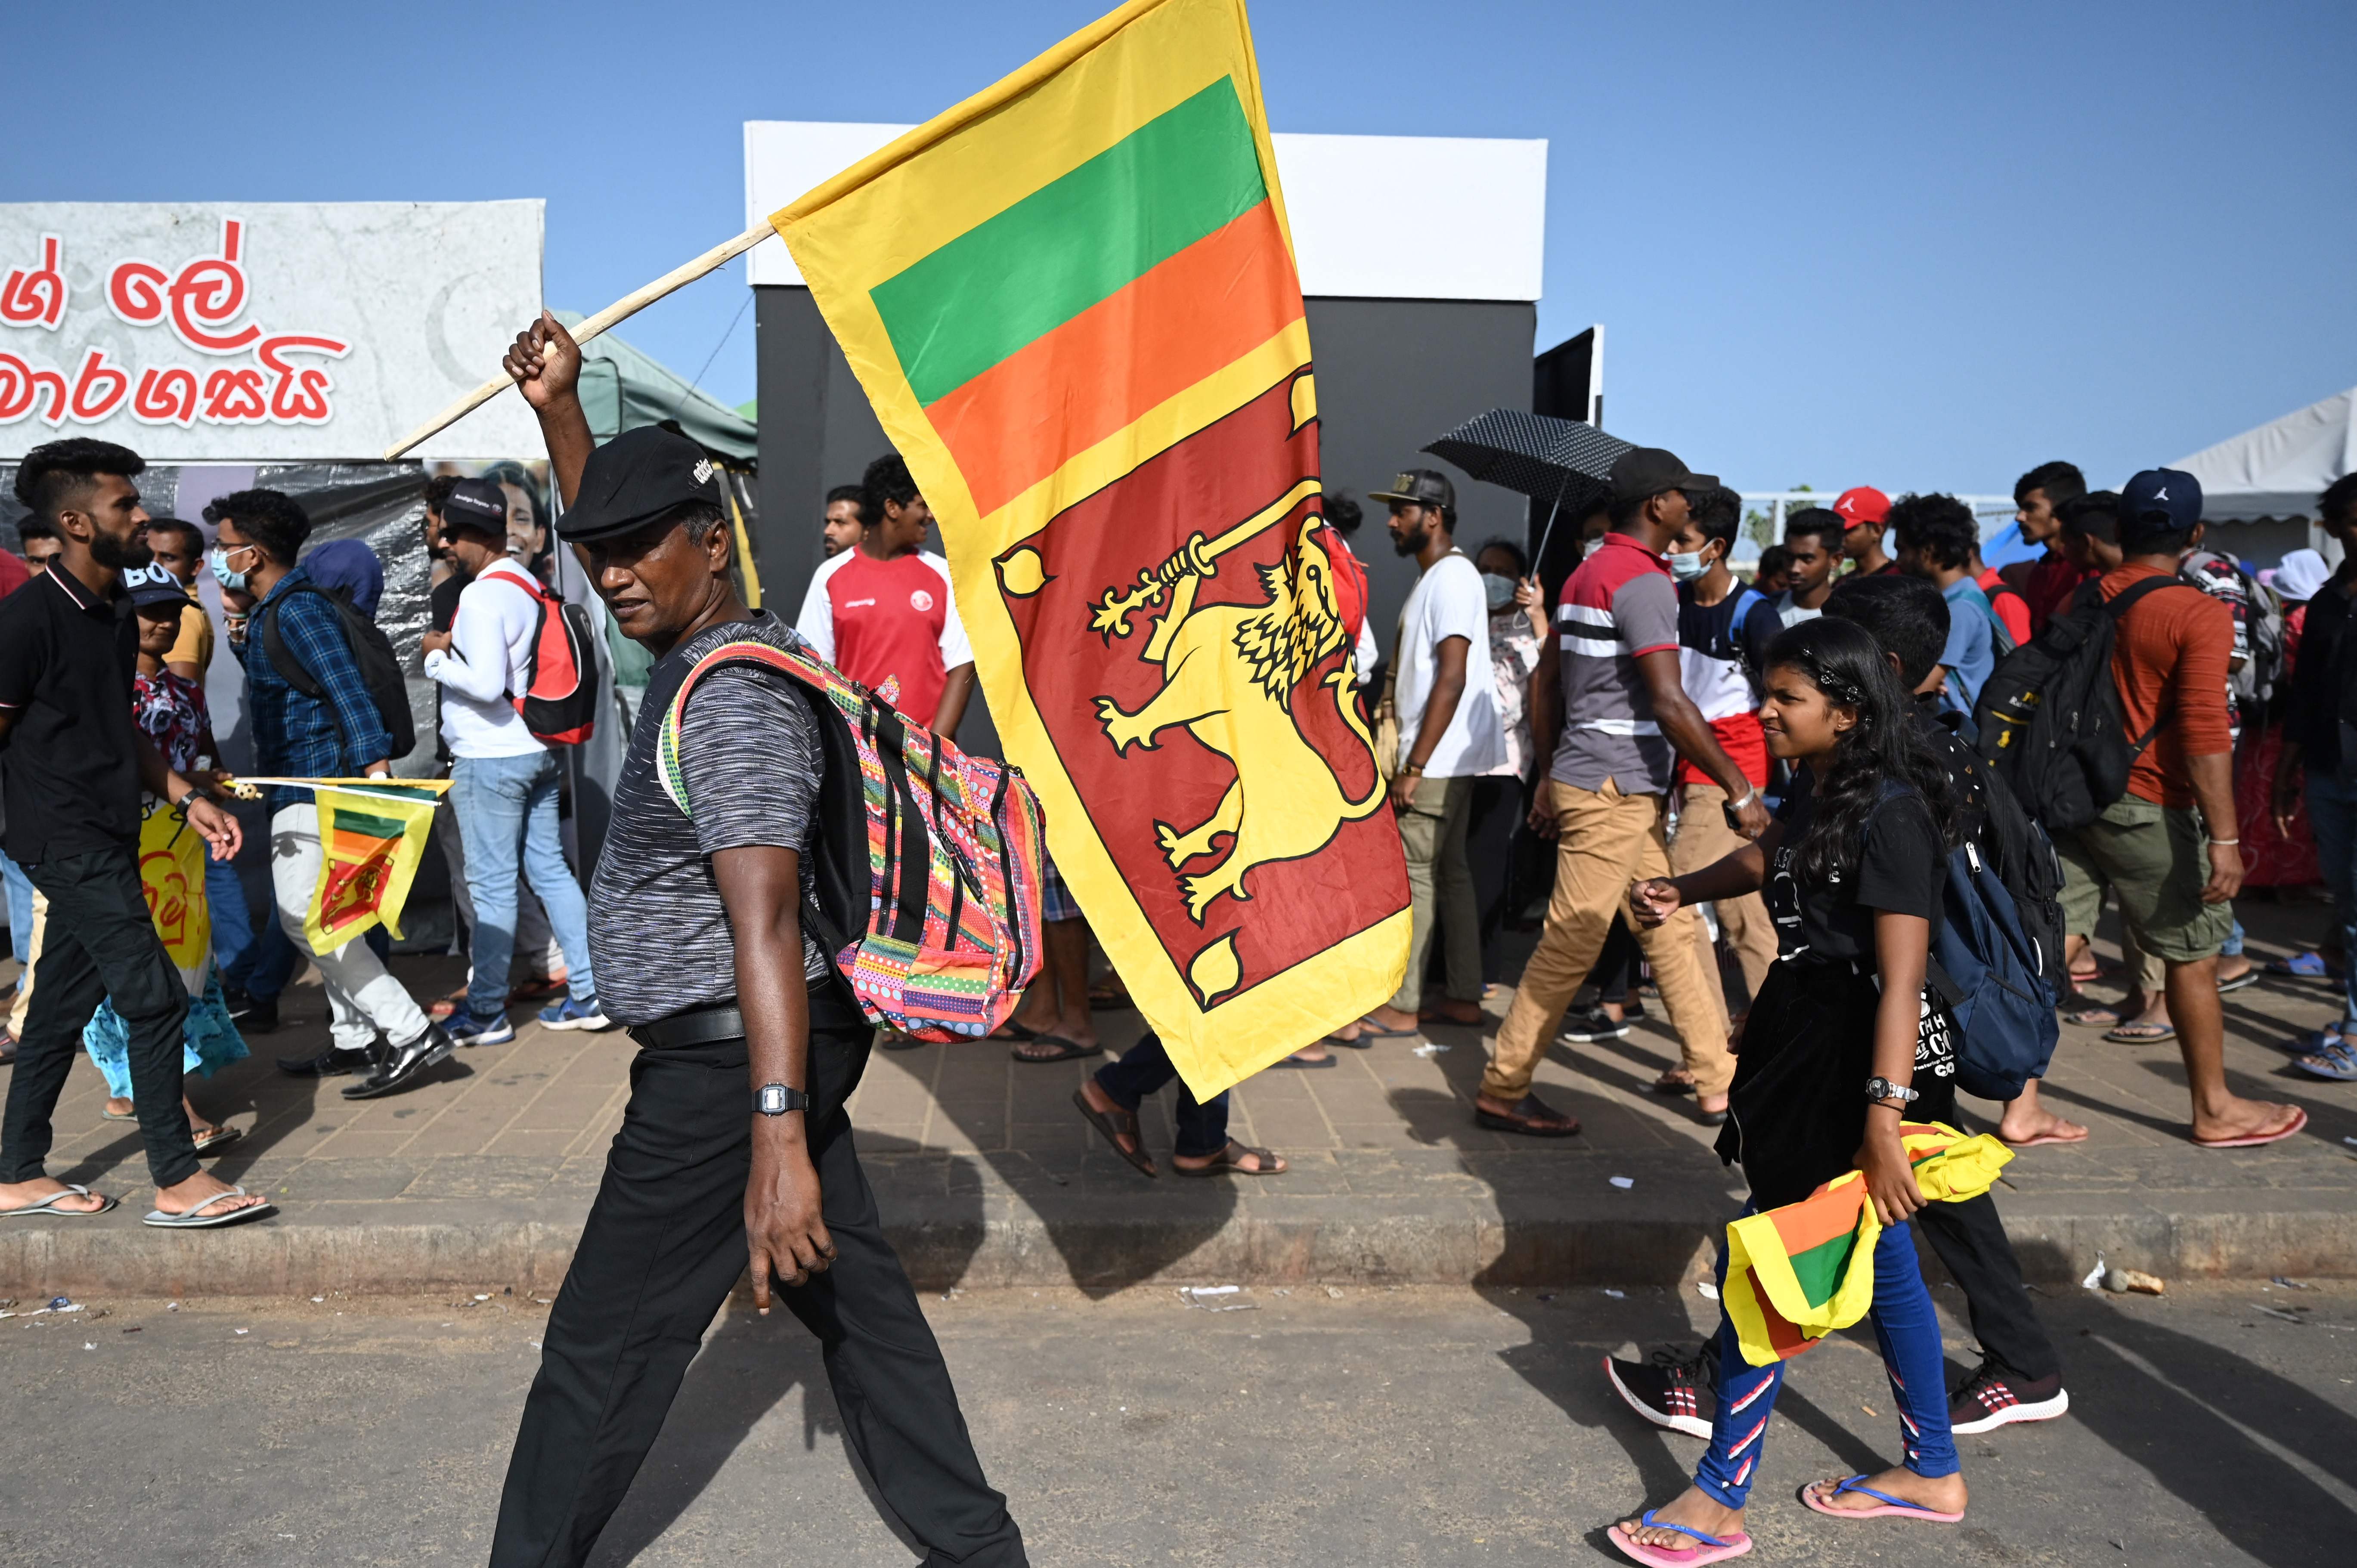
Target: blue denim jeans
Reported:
[(507, 817), (2332, 819), (20, 909), (1905, 1328), (232, 918)]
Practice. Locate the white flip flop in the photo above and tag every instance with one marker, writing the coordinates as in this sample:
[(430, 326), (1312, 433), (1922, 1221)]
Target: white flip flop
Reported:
[(198, 1219), (48, 1206)]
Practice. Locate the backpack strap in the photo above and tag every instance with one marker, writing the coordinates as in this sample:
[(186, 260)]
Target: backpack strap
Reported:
[(818, 679), (290, 668)]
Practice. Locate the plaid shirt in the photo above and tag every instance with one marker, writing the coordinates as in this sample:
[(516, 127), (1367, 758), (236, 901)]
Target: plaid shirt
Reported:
[(298, 737)]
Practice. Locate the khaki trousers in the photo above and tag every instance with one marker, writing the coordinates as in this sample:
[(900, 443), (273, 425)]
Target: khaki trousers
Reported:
[(1704, 839), (1440, 881), (1608, 842)]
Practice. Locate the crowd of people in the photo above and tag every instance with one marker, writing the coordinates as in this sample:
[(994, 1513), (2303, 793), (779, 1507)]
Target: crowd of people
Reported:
[(1757, 799)]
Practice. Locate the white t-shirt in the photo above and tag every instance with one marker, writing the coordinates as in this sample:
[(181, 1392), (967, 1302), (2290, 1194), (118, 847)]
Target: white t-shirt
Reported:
[(1791, 614), (490, 658), (1450, 601)]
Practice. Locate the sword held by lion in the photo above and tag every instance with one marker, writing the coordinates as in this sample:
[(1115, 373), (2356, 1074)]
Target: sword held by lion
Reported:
[(1231, 676)]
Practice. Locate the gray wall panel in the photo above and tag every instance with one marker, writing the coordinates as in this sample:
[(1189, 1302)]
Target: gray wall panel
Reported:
[(1391, 375)]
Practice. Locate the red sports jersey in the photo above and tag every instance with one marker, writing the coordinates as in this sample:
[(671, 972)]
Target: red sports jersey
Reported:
[(875, 619)]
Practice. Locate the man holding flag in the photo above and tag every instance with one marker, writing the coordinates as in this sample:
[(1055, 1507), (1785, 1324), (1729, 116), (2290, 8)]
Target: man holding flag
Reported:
[(337, 733)]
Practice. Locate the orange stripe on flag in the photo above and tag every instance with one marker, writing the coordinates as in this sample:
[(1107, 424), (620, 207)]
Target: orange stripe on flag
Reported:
[(1022, 418), (1824, 1215)]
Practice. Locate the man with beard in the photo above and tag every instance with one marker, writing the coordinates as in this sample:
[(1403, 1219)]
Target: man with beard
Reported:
[(1450, 735), (68, 651)]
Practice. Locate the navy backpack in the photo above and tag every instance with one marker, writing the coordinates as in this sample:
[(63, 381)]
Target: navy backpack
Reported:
[(1990, 972)]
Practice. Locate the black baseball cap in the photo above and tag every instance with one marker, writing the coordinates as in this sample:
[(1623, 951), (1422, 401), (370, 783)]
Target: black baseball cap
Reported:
[(153, 585), (635, 478), (478, 504), (1642, 472), (1420, 487)]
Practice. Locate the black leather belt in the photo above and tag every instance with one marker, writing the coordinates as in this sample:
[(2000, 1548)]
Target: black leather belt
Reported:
[(696, 1026), (831, 1007)]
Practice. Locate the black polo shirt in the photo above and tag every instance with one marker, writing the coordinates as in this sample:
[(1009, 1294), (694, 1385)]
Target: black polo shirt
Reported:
[(68, 656)]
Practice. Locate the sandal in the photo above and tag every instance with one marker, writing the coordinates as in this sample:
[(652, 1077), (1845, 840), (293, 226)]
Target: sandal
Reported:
[(2141, 1034), (2248, 977), (209, 1139), (1888, 1507), (2336, 1061), (2298, 1121), (2097, 1016), (1531, 1116), (1306, 1063), (1712, 1548), (1224, 1162), (49, 1205), (1371, 1030), (1011, 1030), (2303, 966), (1677, 1081), (1058, 1049), (1117, 1125)]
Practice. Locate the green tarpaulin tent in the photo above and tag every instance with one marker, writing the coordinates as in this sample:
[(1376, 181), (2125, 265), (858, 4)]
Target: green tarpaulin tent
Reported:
[(622, 389)]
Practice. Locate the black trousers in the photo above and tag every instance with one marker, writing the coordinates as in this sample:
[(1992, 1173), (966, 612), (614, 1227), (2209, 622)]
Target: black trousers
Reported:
[(663, 1246), (1202, 1129), (1971, 1241), (100, 944)]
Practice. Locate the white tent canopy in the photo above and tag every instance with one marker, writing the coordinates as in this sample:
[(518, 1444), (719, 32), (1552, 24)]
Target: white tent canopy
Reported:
[(2278, 469)]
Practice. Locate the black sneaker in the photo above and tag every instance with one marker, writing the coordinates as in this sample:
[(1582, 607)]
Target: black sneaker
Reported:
[(1682, 1395), (1590, 1024), (1993, 1397), (333, 1062), (253, 1015)]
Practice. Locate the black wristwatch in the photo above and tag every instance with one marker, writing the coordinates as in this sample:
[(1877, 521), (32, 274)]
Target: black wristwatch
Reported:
[(777, 1099), (1879, 1090)]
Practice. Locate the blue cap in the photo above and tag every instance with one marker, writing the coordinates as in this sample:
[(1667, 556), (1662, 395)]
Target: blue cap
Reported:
[(2159, 500)]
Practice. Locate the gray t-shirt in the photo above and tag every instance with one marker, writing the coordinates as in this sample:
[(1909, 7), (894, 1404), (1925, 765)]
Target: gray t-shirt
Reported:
[(749, 759)]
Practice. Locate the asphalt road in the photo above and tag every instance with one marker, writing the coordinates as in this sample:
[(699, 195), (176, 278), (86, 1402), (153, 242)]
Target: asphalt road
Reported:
[(1395, 1427)]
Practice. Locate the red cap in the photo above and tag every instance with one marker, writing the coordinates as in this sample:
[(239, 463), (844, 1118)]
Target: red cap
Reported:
[(1862, 504)]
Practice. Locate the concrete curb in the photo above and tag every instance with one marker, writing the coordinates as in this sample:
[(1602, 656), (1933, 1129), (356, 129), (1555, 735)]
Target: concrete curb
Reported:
[(1008, 1243)]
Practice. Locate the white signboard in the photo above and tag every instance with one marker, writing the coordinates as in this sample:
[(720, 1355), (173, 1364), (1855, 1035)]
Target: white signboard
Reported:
[(1479, 207), (262, 331)]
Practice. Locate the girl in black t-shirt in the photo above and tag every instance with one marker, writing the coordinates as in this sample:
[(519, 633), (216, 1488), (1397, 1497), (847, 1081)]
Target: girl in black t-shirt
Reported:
[(1852, 871)]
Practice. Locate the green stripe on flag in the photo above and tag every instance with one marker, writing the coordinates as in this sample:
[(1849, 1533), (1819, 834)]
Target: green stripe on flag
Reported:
[(369, 824), (1819, 1270), (1075, 240)]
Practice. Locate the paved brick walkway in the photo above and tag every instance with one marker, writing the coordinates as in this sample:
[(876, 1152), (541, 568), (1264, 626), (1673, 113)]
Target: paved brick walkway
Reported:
[(979, 1157)]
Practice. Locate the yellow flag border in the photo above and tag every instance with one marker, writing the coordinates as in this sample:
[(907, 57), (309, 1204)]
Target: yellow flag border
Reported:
[(1220, 1045)]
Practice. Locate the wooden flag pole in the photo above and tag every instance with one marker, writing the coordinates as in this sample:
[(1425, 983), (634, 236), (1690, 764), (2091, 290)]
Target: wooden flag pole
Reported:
[(621, 310)]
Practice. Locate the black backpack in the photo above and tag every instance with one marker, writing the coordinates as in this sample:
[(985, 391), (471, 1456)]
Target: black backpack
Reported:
[(2049, 720), (380, 668)]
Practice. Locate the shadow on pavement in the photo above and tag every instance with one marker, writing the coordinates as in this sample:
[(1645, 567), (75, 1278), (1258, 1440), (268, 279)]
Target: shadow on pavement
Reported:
[(746, 1366)]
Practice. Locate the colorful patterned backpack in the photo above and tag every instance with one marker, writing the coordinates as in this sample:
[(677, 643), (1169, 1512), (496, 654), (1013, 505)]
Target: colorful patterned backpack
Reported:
[(935, 853)]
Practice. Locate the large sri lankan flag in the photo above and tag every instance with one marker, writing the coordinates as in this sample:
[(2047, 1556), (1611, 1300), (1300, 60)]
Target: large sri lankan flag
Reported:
[(1073, 301)]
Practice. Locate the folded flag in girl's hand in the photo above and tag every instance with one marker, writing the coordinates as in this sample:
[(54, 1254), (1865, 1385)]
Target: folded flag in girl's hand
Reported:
[(1797, 1274)]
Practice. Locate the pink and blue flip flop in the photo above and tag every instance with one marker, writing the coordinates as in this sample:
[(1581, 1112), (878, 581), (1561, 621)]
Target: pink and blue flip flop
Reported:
[(1887, 1506), (1708, 1548)]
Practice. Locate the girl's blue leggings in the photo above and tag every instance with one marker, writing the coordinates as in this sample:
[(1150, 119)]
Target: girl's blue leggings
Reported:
[(1908, 1333)]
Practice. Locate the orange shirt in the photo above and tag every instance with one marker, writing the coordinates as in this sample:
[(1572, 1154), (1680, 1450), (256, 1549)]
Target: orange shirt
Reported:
[(2169, 658)]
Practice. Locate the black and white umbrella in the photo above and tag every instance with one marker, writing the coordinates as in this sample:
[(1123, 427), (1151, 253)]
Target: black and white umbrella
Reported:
[(1558, 461)]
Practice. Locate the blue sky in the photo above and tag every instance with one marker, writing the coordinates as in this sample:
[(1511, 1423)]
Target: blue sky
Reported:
[(1916, 246)]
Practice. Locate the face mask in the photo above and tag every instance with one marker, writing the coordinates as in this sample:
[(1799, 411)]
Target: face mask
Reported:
[(1500, 590), (1687, 568), (218, 559)]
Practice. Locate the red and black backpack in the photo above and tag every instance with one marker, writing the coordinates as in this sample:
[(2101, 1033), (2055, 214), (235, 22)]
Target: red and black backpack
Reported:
[(559, 702)]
